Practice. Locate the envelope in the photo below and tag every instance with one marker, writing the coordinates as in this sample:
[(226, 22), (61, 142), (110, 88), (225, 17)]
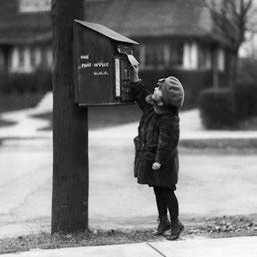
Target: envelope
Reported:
[(133, 61)]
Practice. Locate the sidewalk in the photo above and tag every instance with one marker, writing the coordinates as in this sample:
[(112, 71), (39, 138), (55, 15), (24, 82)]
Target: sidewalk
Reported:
[(224, 247)]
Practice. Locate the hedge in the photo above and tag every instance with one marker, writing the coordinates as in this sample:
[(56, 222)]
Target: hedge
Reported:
[(245, 100), (217, 108), (39, 81), (246, 89)]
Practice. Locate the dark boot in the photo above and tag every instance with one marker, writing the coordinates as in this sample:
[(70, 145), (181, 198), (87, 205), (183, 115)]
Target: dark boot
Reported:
[(163, 226), (176, 229)]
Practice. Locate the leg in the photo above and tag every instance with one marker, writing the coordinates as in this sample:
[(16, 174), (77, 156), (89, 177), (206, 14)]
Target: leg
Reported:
[(176, 226), (172, 203), (160, 202), (162, 211)]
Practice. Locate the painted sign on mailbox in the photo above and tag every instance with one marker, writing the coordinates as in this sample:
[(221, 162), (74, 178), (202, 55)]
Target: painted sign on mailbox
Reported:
[(102, 65)]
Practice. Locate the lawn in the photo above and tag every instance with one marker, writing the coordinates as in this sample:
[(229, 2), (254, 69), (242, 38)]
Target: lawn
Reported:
[(104, 116), (218, 227), (98, 117), (15, 102)]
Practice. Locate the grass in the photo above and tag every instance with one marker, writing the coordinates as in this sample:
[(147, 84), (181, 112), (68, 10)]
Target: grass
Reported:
[(107, 116), (4, 123), (103, 116), (15, 102), (99, 117), (217, 227), (48, 241)]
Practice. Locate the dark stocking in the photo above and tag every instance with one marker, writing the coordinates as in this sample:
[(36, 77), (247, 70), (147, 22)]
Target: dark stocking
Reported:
[(166, 198)]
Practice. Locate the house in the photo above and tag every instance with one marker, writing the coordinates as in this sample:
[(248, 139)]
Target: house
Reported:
[(25, 36), (176, 37), (171, 33)]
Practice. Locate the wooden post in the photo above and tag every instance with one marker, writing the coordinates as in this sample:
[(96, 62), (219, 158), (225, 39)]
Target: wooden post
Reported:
[(70, 127)]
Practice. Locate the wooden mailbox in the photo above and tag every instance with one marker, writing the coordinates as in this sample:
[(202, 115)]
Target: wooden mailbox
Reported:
[(102, 65)]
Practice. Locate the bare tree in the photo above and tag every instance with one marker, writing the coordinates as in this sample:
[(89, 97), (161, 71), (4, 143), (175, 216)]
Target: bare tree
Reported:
[(234, 19), (70, 127)]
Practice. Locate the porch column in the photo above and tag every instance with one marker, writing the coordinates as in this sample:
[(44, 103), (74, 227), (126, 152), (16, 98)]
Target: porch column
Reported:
[(215, 72), (38, 56)]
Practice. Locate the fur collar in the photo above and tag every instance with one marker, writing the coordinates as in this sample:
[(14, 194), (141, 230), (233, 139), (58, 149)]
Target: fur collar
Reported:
[(161, 109)]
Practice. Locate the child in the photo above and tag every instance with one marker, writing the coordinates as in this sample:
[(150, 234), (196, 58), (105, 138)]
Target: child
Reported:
[(156, 158)]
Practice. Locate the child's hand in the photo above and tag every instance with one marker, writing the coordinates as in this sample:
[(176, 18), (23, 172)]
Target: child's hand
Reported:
[(156, 166), (134, 73)]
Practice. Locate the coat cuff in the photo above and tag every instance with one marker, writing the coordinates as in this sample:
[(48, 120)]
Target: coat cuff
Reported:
[(139, 82)]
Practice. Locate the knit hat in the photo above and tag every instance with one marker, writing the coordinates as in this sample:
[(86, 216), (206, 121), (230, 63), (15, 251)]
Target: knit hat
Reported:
[(172, 92)]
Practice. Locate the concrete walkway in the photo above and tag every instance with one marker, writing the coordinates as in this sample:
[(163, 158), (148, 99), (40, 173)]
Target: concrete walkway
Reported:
[(225, 247)]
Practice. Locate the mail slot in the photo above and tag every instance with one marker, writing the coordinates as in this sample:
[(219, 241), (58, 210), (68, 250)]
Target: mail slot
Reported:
[(102, 65)]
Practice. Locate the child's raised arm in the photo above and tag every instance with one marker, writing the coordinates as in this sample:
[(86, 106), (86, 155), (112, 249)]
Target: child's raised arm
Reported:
[(138, 90)]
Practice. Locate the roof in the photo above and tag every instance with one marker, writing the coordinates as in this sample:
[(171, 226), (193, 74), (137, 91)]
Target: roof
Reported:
[(135, 19), (140, 18), (150, 18), (20, 28), (106, 32), (25, 37)]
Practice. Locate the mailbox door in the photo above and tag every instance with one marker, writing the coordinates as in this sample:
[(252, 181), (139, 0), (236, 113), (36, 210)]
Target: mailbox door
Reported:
[(125, 80), (94, 68)]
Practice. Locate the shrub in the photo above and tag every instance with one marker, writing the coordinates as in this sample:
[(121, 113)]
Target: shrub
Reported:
[(216, 108), (3, 81), (247, 71), (38, 81), (245, 100)]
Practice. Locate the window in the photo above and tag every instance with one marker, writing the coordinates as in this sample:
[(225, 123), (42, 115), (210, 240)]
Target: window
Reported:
[(36, 57), (221, 59), (154, 55), (204, 58), (21, 57), (190, 56), (46, 58), (34, 5), (176, 54), (21, 60), (161, 55)]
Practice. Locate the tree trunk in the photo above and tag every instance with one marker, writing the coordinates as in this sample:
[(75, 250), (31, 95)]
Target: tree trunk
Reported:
[(233, 69), (70, 127)]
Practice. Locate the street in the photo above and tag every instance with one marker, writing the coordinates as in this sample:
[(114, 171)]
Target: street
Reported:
[(209, 185)]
